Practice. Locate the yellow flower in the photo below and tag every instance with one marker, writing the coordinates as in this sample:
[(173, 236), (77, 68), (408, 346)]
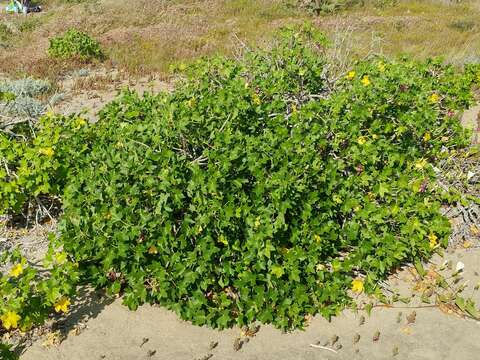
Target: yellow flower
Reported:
[(366, 80), (350, 75), (10, 320), (432, 238), (294, 108), (191, 102), (357, 286), (152, 250), (222, 239), (49, 114), (317, 238), (16, 271), (256, 99), (381, 66), (427, 136), (467, 244), (81, 122), (62, 304), (46, 151), (60, 257), (434, 98), (362, 140), (420, 164)]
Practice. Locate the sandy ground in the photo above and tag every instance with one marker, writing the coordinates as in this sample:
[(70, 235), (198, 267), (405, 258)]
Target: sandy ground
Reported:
[(108, 84), (114, 332)]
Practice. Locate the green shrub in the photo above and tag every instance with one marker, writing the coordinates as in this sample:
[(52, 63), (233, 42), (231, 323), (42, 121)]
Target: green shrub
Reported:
[(73, 44), (29, 295), (35, 159), (6, 352), (261, 190), (330, 6), (5, 32)]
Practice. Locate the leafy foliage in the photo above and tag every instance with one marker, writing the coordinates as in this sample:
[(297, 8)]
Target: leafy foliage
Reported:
[(330, 6), (73, 44), (28, 295), (259, 189), (35, 159)]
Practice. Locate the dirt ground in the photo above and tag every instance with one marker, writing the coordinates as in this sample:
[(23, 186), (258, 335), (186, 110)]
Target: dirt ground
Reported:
[(87, 91)]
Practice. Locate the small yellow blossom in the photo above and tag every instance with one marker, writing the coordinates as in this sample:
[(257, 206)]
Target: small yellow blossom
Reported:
[(432, 238), (317, 238), (366, 81), (222, 239), (46, 151), (362, 140), (420, 164), (16, 271), (427, 136), (62, 305), (10, 320), (191, 102), (257, 222), (375, 136), (81, 122), (294, 108), (256, 99), (152, 250), (60, 257), (182, 67), (467, 244), (434, 98), (381, 66), (350, 75), (357, 286)]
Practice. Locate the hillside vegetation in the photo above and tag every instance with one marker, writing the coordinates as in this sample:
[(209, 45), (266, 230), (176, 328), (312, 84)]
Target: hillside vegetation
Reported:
[(143, 37)]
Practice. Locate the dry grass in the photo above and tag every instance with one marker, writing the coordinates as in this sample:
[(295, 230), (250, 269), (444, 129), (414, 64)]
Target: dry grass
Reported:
[(96, 82), (147, 36)]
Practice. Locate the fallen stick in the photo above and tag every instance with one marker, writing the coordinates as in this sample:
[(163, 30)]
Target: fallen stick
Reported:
[(323, 348)]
